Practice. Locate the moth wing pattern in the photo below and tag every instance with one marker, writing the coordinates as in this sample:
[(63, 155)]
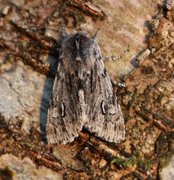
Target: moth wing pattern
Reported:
[(106, 119), (83, 95), (62, 123)]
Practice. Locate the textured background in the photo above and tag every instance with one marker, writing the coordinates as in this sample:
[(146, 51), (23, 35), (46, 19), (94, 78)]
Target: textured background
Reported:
[(131, 32)]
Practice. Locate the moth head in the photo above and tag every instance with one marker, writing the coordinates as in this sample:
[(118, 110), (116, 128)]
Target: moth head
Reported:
[(87, 49), (80, 51)]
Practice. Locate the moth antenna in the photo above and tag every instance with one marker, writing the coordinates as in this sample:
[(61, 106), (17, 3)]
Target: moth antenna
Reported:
[(63, 33), (96, 34), (61, 55)]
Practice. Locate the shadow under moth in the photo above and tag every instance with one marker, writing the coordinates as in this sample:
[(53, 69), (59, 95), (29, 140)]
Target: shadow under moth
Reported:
[(83, 95)]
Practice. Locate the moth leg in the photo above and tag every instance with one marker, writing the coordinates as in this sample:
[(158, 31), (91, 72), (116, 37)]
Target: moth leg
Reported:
[(118, 84), (111, 58)]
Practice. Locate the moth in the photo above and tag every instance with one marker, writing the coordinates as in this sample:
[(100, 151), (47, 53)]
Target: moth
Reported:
[(83, 95)]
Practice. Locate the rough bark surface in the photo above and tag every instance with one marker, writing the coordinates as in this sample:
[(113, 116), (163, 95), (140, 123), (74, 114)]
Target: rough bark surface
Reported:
[(140, 36)]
